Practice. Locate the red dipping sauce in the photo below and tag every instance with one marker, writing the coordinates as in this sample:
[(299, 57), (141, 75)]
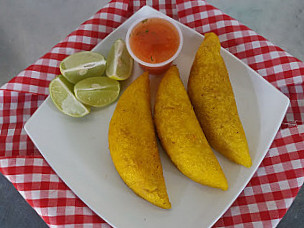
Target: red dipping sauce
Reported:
[(154, 43)]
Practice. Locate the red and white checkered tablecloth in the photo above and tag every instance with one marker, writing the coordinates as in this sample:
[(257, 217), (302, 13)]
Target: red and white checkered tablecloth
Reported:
[(267, 196)]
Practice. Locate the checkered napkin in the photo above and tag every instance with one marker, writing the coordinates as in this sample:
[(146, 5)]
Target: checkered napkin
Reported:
[(267, 196)]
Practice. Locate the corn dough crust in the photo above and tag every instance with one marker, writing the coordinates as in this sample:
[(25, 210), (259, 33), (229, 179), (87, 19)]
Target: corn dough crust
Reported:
[(181, 135), (213, 100), (133, 145)]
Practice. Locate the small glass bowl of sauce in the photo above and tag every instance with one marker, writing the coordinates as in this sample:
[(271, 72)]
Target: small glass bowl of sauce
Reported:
[(154, 43)]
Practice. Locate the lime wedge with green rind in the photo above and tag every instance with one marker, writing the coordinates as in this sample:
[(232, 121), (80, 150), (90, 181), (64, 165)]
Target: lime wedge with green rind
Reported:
[(119, 61), (82, 65), (61, 92), (97, 91)]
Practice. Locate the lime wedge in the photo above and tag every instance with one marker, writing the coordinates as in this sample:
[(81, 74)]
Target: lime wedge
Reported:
[(119, 63), (64, 99), (82, 65), (97, 91)]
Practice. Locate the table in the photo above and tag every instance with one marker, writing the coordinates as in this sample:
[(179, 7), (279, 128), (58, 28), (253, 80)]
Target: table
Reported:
[(31, 29)]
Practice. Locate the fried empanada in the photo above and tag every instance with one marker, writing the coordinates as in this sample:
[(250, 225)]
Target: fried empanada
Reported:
[(213, 100), (133, 145), (181, 135)]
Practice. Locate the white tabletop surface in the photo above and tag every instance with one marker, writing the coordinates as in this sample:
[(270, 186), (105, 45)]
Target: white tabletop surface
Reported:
[(30, 28)]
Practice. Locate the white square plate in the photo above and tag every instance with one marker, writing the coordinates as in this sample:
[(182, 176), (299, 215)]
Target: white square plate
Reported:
[(77, 149)]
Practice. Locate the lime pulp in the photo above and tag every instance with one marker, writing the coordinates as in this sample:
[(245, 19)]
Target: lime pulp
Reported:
[(82, 65), (97, 91), (119, 61), (61, 92)]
